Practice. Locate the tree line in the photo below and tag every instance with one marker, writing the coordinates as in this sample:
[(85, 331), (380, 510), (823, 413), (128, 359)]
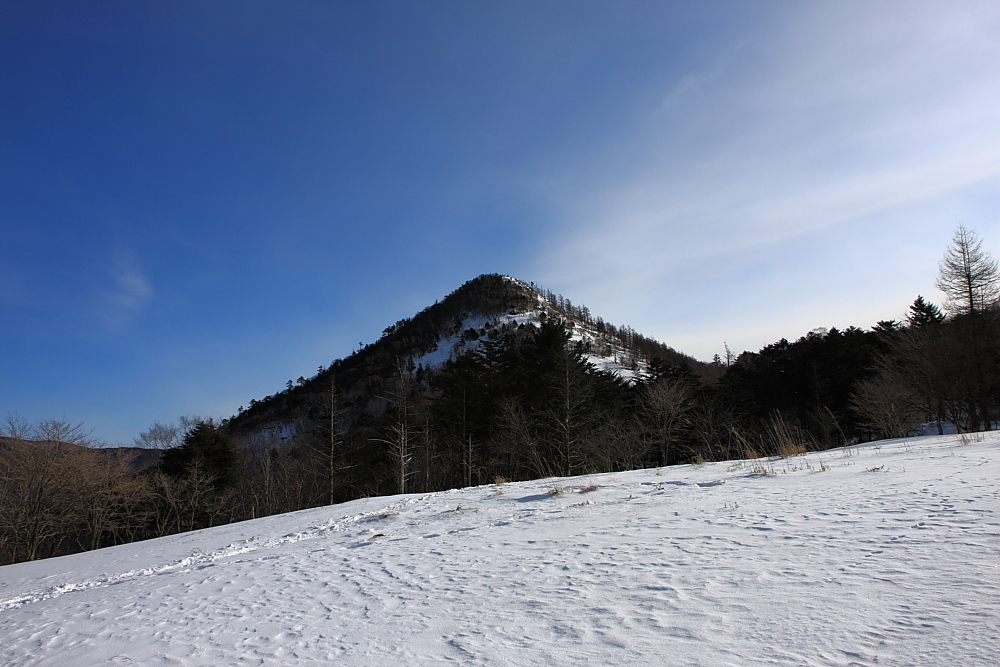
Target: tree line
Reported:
[(521, 403)]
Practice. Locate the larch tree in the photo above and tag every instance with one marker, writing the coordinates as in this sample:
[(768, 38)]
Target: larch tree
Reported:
[(399, 432), (968, 275)]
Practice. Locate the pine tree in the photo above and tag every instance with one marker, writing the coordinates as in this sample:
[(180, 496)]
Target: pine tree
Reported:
[(207, 449), (923, 313)]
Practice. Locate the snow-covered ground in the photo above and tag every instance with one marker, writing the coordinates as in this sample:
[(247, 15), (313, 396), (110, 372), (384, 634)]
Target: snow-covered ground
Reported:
[(884, 554)]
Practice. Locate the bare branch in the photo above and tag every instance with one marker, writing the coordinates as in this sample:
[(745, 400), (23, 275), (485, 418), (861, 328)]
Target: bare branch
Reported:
[(968, 275)]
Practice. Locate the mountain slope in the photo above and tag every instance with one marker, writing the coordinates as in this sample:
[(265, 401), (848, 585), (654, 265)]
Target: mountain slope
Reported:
[(870, 555), (456, 325)]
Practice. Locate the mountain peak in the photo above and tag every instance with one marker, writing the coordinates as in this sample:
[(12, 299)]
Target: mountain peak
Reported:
[(489, 304)]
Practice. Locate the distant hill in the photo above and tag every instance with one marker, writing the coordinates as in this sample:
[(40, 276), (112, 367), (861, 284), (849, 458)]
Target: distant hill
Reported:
[(137, 458)]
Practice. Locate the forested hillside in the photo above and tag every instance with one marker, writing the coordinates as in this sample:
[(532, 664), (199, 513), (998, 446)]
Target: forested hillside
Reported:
[(504, 381)]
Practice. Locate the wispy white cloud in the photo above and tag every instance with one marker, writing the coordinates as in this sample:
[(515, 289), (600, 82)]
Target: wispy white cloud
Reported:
[(129, 293), (837, 116), (694, 82)]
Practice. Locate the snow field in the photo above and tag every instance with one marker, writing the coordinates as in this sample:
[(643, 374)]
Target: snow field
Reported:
[(881, 554)]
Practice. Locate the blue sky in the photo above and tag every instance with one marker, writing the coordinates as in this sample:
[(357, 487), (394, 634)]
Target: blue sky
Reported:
[(200, 201)]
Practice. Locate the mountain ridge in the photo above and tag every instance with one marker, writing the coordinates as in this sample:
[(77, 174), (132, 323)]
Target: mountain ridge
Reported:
[(457, 325)]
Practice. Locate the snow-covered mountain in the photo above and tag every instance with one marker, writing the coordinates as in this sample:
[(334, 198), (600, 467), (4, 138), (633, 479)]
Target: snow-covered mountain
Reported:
[(877, 554), (604, 347), (460, 323)]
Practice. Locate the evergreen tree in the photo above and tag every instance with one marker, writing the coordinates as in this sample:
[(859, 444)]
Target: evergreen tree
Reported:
[(923, 313), (207, 449)]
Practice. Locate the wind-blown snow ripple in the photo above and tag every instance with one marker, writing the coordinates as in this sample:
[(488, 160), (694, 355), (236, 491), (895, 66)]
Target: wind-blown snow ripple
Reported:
[(870, 555)]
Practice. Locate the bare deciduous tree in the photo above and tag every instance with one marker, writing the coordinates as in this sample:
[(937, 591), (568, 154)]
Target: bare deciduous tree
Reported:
[(63, 430), (400, 431), (16, 426), (888, 406), (667, 409), (570, 415), (968, 275), (37, 499), (517, 443), (159, 436), (333, 440)]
